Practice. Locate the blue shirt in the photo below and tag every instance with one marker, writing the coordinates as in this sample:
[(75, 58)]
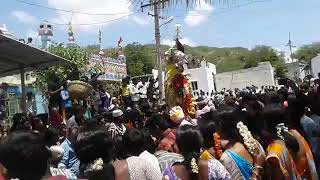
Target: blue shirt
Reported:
[(66, 99), (312, 130), (69, 160), (315, 118)]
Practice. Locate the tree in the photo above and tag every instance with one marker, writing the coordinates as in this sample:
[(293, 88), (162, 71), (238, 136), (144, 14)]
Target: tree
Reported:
[(250, 63), (140, 59), (266, 53), (307, 52), (92, 49), (79, 61), (280, 70)]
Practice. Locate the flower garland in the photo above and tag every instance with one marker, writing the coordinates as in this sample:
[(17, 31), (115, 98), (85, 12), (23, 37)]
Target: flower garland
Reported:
[(177, 86), (182, 88), (97, 165), (217, 145), (281, 128), (248, 139), (194, 166), (178, 83)]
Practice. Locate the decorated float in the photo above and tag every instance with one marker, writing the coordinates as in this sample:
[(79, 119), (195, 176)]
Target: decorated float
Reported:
[(177, 86)]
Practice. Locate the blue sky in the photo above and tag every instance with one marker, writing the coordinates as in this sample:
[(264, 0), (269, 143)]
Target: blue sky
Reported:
[(239, 24)]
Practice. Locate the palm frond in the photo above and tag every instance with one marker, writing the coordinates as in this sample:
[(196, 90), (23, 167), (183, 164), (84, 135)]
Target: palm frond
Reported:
[(188, 3)]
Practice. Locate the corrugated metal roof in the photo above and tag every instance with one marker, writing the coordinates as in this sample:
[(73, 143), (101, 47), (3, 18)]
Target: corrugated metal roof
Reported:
[(15, 55)]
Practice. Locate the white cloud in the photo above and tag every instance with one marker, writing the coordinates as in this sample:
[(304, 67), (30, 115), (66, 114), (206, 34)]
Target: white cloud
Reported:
[(118, 9), (24, 17), (185, 41), (142, 20), (199, 14)]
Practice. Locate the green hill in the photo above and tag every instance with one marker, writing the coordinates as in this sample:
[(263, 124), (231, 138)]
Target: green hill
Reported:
[(225, 59), (141, 58)]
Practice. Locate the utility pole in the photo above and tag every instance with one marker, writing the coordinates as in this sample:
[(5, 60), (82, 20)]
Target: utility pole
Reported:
[(155, 4), (290, 45)]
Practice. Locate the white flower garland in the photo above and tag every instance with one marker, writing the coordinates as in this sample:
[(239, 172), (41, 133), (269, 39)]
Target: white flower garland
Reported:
[(97, 165), (248, 139), (281, 128)]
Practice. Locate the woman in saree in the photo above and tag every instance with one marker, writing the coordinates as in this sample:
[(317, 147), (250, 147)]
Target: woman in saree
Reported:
[(243, 156), (281, 145), (304, 158), (212, 147), (189, 141)]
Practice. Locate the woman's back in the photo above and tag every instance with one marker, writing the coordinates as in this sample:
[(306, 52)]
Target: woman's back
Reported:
[(140, 169), (304, 159), (235, 159), (279, 159)]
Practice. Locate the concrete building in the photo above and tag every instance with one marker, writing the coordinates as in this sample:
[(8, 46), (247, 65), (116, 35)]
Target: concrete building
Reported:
[(315, 66), (296, 71), (202, 78), (262, 75)]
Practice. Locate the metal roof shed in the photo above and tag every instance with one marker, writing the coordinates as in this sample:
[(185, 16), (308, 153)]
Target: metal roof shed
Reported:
[(17, 57)]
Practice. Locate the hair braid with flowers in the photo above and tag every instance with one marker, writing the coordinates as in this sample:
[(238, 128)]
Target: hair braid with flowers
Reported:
[(248, 139), (217, 145)]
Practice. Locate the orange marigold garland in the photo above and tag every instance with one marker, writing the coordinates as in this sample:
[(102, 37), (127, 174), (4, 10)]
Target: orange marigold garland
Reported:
[(183, 89), (217, 145)]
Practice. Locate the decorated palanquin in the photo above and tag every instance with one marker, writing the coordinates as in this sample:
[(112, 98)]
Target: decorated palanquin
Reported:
[(177, 86)]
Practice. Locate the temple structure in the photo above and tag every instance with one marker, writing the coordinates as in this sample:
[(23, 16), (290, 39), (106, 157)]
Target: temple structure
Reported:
[(112, 69), (71, 38)]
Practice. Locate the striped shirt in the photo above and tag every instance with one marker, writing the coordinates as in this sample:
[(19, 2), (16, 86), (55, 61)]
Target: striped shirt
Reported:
[(166, 159), (115, 130), (62, 172)]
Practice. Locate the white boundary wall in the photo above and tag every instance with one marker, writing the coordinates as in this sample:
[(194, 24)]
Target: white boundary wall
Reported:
[(262, 75)]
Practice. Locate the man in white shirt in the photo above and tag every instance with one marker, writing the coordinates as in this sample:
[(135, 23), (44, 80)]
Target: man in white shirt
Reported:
[(117, 128), (134, 92), (143, 91), (156, 87)]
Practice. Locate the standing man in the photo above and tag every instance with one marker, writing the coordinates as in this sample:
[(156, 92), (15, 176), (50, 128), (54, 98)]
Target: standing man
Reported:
[(134, 92), (31, 104), (66, 102), (54, 88), (103, 98), (143, 91), (116, 127), (69, 160), (125, 92)]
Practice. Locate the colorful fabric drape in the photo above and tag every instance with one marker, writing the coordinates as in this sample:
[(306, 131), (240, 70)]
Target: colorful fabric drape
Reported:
[(205, 155), (305, 164), (244, 166), (279, 152)]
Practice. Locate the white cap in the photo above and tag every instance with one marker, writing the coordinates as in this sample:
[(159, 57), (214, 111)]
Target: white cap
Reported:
[(185, 122), (56, 152), (117, 113)]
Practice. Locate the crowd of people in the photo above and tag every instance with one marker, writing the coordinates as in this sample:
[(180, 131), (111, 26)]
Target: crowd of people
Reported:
[(267, 133)]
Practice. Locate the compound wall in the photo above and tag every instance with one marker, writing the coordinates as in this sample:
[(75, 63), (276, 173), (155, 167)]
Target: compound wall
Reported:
[(262, 75)]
